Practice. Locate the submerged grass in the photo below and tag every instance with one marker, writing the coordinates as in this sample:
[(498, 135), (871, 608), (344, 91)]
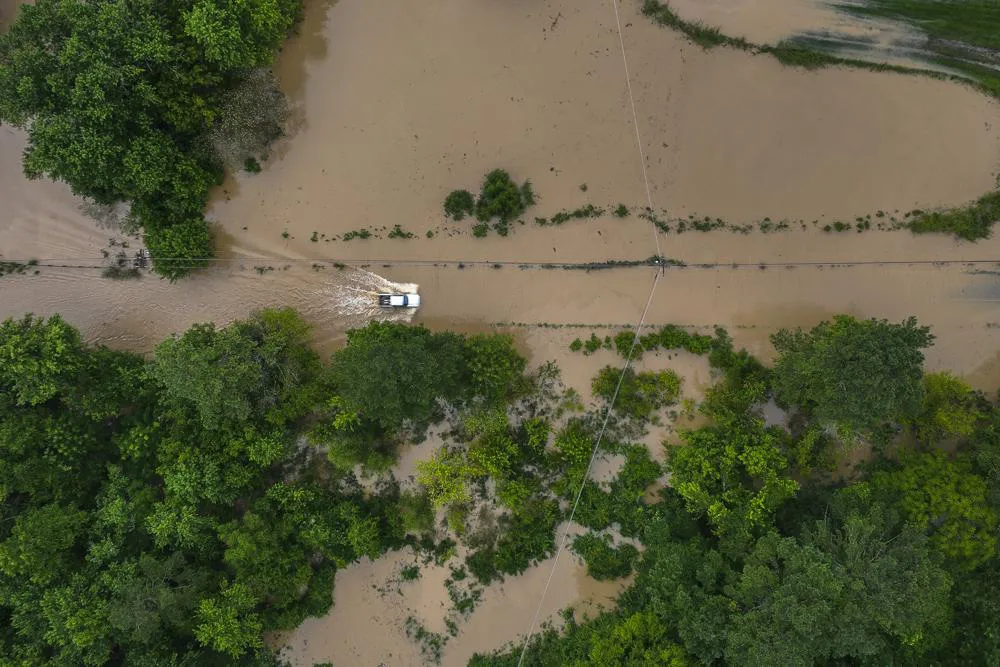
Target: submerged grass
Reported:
[(963, 36), (971, 223)]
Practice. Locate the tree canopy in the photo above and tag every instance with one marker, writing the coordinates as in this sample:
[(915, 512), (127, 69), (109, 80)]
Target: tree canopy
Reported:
[(855, 373), (119, 99), (155, 511)]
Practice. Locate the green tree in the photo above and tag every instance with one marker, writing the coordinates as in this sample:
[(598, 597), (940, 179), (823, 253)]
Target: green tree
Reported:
[(39, 359), (736, 477), (495, 366), (40, 545), (639, 640), (949, 408), (947, 500), (445, 477), (261, 367), (390, 373), (856, 373), (228, 622), (119, 100)]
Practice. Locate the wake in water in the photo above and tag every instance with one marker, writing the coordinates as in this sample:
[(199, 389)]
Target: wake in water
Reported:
[(355, 298)]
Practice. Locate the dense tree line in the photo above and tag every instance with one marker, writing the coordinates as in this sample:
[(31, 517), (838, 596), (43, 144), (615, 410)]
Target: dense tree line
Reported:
[(757, 554), (169, 511), (137, 101)]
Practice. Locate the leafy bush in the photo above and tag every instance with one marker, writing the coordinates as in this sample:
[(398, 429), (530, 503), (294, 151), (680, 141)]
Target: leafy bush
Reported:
[(528, 537), (501, 197), (604, 561), (624, 344), (398, 232), (459, 204), (480, 230), (970, 223), (640, 394), (593, 344), (576, 345)]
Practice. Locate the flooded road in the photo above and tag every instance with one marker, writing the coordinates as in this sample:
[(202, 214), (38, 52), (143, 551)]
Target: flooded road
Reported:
[(396, 103)]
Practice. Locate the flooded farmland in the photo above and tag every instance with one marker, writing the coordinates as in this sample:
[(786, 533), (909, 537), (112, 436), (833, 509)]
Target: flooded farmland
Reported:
[(395, 104)]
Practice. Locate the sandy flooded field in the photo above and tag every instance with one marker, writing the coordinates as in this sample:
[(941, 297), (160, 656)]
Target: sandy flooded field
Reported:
[(395, 104)]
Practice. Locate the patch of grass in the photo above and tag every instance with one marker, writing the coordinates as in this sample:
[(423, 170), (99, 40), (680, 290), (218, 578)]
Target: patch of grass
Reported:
[(410, 572), (480, 230), (431, 643), (12, 268), (121, 273), (971, 223), (620, 211), (588, 211), (398, 232), (704, 36), (357, 234)]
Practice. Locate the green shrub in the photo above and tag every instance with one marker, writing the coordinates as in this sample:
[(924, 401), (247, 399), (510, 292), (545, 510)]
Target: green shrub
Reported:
[(970, 223), (459, 204), (624, 343), (640, 394), (398, 232), (592, 345), (530, 537), (501, 197), (621, 211), (480, 230), (357, 234), (604, 561), (576, 345)]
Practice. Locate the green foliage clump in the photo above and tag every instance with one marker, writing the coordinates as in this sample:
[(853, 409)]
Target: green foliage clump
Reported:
[(528, 537), (638, 394), (122, 101), (154, 507), (391, 373), (500, 197), (626, 345), (948, 501), (855, 373), (604, 561), (970, 223), (458, 204), (398, 232), (949, 409), (734, 476)]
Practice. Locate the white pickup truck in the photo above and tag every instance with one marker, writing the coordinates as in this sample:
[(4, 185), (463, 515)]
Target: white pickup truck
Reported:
[(399, 300)]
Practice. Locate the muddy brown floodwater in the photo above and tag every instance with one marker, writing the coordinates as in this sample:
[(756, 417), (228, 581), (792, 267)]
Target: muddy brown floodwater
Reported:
[(396, 103)]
